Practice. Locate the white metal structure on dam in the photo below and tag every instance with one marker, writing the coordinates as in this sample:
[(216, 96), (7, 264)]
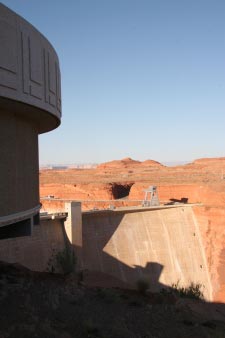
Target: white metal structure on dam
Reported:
[(30, 104)]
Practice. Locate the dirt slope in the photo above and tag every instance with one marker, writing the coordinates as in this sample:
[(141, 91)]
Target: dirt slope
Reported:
[(51, 306)]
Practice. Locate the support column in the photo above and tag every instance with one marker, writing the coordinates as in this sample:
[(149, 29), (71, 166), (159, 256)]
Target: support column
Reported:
[(73, 228)]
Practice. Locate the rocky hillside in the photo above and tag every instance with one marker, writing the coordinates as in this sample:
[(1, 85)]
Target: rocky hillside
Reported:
[(199, 181), (54, 306)]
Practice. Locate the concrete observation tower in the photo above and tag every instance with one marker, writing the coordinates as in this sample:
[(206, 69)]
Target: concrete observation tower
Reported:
[(30, 104)]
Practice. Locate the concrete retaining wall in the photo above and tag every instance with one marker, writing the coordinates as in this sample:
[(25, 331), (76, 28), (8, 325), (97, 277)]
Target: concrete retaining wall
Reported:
[(36, 251), (164, 245)]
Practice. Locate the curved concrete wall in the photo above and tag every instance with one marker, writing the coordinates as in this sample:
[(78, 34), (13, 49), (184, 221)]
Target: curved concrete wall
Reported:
[(30, 104), (19, 151), (29, 72)]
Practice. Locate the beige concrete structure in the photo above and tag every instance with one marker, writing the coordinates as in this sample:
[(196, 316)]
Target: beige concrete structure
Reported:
[(73, 229), (30, 104), (164, 245), (55, 233), (36, 252)]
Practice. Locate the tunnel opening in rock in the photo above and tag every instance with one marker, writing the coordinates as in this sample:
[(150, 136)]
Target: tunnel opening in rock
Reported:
[(121, 190)]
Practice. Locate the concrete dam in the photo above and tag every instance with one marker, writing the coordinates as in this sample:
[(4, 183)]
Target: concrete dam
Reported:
[(163, 245)]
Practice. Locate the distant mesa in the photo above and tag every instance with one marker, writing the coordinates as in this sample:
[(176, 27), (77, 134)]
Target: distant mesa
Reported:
[(124, 163), (210, 161), (151, 163), (127, 163)]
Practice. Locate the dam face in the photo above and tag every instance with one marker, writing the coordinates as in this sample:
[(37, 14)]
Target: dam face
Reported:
[(30, 104), (163, 245)]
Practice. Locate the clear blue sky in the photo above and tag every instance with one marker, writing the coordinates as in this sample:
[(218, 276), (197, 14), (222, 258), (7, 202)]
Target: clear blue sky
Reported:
[(140, 78)]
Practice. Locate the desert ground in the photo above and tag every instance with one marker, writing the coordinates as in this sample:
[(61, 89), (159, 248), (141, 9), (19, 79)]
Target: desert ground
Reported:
[(35, 304), (125, 180)]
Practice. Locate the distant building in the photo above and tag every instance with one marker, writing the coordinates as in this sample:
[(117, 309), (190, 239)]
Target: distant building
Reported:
[(30, 104), (59, 167)]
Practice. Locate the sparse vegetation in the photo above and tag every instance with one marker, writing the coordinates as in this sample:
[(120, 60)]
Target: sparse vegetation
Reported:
[(66, 260), (51, 263), (47, 305), (194, 290), (63, 261)]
